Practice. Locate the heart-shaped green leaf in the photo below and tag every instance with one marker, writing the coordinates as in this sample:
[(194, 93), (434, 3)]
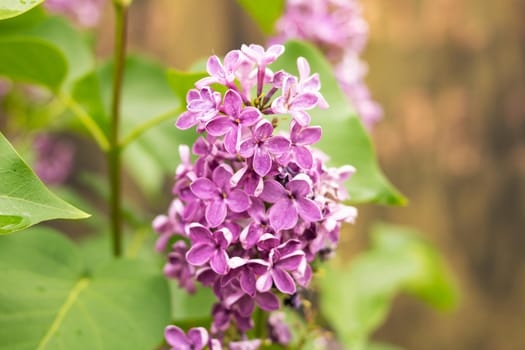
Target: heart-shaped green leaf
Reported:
[(344, 139), (24, 199), (48, 301), (12, 8)]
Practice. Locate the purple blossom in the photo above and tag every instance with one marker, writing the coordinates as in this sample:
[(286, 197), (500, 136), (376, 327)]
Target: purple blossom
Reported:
[(196, 339), (263, 146), (203, 105), (209, 247), (290, 202), (219, 195), (255, 208), (283, 259), (236, 118)]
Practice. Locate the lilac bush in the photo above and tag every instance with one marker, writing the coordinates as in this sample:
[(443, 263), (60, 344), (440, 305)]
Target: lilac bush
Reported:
[(336, 27), (258, 205)]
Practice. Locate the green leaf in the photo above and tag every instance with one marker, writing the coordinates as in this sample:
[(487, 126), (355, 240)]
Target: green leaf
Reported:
[(59, 32), (49, 302), (344, 139), (146, 95), (32, 60), (12, 8), (190, 307), (264, 13), (24, 199), (356, 299)]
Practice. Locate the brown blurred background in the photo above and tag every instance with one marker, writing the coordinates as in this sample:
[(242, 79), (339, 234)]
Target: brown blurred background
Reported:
[(450, 75)]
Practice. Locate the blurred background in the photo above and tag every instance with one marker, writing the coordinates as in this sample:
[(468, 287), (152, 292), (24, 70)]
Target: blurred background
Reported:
[(450, 75)]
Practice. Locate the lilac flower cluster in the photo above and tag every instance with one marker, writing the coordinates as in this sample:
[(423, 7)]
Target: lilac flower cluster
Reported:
[(338, 28), (258, 205), (85, 12)]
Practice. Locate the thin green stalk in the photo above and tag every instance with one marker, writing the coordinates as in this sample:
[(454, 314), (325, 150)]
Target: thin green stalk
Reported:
[(88, 122), (139, 130), (114, 153)]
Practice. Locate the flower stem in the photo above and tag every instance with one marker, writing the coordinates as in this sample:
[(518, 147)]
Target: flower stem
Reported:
[(114, 152)]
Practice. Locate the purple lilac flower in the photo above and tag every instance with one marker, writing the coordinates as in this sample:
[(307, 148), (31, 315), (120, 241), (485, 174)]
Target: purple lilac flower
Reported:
[(338, 28), (196, 339), (54, 159), (255, 208), (85, 12)]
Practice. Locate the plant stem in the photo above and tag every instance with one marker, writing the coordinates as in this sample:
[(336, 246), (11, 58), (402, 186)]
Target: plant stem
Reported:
[(114, 152)]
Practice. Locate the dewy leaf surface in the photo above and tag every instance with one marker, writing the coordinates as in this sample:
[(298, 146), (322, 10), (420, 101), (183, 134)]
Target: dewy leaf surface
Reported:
[(24, 199), (48, 301), (12, 8), (344, 139)]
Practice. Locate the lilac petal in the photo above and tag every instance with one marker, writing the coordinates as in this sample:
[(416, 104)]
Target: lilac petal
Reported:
[(214, 65), (308, 210), (204, 188), (232, 103), (250, 116), (250, 235), (219, 262), (303, 157), (278, 144), (216, 213), (247, 281), (221, 176), (176, 337), (304, 101), (275, 50), (312, 83), (283, 215), (223, 237), (309, 135), (186, 120), (200, 254), (267, 242), (279, 105), (301, 117), (258, 266), (232, 138), (238, 201), (245, 306), (289, 247), (299, 186), (199, 337), (283, 281), (303, 67), (236, 262), (231, 60), (200, 234), (206, 81), (206, 276), (272, 191), (262, 162), (263, 130), (267, 301), (219, 126), (291, 262), (247, 148), (264, 282), (215, 344)]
